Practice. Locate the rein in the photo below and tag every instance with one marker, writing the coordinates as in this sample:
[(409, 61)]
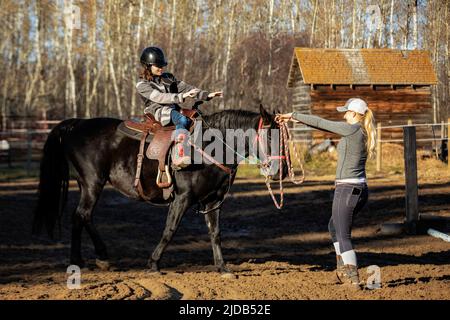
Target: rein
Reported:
[(285, 138)]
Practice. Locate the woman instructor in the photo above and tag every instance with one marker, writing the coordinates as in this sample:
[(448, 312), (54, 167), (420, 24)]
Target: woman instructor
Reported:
[(357, 143)]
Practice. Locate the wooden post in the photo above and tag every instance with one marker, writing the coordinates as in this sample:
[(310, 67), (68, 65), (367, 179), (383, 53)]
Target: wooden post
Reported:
[(379, 147), (448, 135), (412, 205)]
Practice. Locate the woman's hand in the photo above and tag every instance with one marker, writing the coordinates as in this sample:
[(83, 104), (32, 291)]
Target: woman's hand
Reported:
[(285, 117), (215, 94), (191, 93)]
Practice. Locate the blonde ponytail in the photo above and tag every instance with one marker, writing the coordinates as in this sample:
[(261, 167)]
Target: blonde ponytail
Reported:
[(371, 133)]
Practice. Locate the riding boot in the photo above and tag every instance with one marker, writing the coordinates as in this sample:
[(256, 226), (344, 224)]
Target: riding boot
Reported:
[(350, 275), (180, 160), (339, 268)]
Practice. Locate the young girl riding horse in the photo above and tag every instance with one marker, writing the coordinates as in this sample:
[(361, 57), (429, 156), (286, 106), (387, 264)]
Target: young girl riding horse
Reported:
[(161, 92), (351, 192)]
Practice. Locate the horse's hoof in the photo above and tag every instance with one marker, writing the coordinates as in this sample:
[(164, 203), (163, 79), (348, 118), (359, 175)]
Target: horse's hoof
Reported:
[(228, 275), (102, 264)]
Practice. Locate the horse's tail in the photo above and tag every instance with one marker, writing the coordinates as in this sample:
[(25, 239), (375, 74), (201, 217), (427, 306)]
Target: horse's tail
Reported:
[(53, 180)]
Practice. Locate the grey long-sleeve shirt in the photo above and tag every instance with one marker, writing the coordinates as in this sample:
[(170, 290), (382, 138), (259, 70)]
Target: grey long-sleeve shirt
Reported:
[(163, 93), (352, 153)]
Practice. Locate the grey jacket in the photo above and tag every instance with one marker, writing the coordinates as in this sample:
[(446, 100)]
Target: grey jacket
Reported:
[(162, 95), (352, 152)]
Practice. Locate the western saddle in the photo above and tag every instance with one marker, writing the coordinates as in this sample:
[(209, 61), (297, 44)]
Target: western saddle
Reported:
[(158, 149)]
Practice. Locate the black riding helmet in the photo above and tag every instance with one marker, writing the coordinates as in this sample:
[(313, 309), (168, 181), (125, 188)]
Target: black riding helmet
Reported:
[(153, 55)]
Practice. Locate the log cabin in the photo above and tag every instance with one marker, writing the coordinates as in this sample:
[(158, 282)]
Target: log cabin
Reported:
[(395, 83)]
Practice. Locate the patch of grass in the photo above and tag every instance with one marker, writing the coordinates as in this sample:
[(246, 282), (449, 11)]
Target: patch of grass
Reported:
[(324, 164), (321, 164), (248, 171)]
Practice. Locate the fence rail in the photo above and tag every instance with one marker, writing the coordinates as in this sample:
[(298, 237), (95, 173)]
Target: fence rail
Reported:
[(25, 145), (387, 127)]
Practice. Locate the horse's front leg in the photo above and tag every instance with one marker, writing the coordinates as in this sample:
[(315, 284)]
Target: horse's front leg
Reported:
[(176, 211), (212, 221)]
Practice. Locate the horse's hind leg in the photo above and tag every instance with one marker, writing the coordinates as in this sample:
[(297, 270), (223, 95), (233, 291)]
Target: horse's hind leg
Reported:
[(82, 217), (176, 211), (212, 221)]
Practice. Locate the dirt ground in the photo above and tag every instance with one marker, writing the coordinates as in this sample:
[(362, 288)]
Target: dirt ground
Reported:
[(274, 254)]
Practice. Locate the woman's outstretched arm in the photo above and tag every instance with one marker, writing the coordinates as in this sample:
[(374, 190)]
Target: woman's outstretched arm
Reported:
[(339, 127)]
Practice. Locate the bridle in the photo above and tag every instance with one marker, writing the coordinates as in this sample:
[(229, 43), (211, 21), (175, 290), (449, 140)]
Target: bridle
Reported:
[(285, 138)]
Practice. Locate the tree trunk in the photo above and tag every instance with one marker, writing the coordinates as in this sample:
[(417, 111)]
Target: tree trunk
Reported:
[(228, 48), (70, 91), (38, 66), (173, 25), (136, 49), (292, 16), (406, 33), (89, 60), (354, 27), (447, 60), (190, 49), (109, 57), (342, 34), (313, 25), (415, 33), (269, 67), (437, 33), (333, 25), (381, 25), (391, 26)]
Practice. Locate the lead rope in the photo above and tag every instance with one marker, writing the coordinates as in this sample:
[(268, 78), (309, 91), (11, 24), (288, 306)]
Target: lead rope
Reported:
[(285, 138)]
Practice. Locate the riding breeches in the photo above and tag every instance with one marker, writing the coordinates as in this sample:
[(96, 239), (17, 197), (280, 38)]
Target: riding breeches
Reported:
[(348, 200)]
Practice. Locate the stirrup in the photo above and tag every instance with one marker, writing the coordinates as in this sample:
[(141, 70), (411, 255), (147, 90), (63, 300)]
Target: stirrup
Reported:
[(159, 182)]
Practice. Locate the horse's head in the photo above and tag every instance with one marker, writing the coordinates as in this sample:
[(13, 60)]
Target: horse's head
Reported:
[(268, 150)]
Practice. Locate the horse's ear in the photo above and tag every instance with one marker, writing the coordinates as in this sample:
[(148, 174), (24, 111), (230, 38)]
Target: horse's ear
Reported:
[(267, 118)]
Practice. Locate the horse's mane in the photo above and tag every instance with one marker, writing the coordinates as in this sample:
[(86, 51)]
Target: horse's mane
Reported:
[(232, 119)]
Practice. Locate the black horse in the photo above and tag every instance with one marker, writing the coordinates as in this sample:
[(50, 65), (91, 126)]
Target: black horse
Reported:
[(99, 153)]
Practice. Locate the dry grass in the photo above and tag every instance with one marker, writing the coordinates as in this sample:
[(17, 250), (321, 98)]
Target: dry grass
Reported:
[(324, 164)]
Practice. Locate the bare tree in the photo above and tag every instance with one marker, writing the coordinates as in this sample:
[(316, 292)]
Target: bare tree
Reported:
[(415, 33), (71, 101), (391, 26), (313, 25), (228, 45), (245, 48), (35, 75), (354, 24)]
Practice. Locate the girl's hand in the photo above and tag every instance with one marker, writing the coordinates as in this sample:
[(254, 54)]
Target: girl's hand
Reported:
[(191, 93), (286, 117), (215, 94)]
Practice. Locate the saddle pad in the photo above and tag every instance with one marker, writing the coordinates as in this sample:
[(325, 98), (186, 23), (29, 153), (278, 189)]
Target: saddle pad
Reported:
[(133, 134)]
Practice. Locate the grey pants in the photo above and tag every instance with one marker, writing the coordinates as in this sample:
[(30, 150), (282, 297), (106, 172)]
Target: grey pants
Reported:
[(348, 200)]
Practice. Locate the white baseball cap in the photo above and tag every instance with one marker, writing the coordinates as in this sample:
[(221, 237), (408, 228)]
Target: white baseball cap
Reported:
[(354, 104)]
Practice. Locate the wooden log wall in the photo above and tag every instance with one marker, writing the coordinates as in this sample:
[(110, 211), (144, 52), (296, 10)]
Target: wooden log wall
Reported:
[(301, 101), (391, 106)]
